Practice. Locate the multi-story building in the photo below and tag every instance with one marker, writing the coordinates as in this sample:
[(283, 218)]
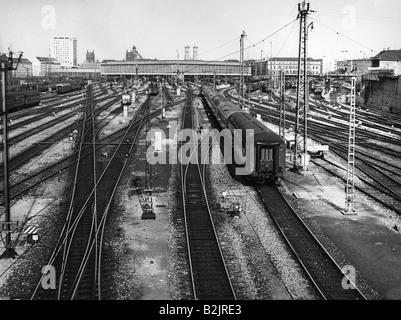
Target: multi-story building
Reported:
[(44, 66), (260, 67), (356, 66), (382, 84), (290, 65), (24, 69), (389, 60), (64, 50)]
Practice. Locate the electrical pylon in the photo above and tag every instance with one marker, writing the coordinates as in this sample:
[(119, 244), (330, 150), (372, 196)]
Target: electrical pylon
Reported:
[(282, 105), (302, 85), (241, 76), (350, 186)]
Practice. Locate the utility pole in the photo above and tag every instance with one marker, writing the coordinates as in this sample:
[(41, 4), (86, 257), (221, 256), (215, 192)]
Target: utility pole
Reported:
[(350, 186), (302, 85), (241, 77), (5, 66)]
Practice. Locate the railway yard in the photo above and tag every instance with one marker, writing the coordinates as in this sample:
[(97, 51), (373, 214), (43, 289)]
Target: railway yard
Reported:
[(79, 180)]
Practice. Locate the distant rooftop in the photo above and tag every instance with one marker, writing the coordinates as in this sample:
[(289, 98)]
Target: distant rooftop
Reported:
[(23, 60), (291, 59), (47, 60), (388, 55)]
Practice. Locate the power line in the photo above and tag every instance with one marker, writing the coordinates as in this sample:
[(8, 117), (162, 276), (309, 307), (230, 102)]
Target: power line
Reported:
[(344, 35), (285, 41), (202, 53), (237, 51), (389, 19)]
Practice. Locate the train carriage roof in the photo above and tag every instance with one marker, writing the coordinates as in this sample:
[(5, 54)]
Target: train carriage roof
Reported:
[(243, 120)]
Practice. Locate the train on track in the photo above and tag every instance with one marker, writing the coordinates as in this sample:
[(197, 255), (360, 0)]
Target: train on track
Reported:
[(20, 97), (69, 87), (28, 95), (268, 148)]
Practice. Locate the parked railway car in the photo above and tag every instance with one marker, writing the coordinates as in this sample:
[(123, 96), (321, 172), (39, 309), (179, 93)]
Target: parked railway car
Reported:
[(68, 87), (268, 147), (153, 89), (20, 97)]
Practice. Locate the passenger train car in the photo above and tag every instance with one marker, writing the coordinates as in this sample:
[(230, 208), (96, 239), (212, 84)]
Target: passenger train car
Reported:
[(268, 149)]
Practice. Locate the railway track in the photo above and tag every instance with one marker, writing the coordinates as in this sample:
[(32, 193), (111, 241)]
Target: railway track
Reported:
[(384, 174), (79, 255), (39, 147), (367, 167), (322, 270), (19, 188), (209, 276), (372, 190)]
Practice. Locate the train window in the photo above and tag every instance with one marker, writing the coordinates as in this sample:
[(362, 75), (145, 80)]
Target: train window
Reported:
[(266, 154)]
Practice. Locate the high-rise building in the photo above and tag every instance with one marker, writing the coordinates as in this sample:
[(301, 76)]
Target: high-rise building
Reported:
[(64, 50)]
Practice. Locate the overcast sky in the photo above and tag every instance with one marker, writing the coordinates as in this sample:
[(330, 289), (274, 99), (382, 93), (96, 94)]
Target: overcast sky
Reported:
[(158, 28)]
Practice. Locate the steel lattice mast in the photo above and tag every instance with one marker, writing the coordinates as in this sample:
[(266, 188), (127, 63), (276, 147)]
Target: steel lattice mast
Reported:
[(282, 105), (241, 76), (302, 83), (350, 186)]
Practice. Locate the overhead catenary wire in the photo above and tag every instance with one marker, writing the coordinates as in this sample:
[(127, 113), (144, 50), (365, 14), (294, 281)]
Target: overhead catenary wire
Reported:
[(237, 51), (338, 33), (223, 45), (385, 19)]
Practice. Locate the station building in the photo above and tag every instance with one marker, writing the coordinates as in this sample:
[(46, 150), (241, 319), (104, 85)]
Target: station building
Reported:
[(290, 65), (185, 69)]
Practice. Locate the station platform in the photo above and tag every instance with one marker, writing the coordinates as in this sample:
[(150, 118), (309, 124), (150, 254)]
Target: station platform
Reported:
[(368, 241)]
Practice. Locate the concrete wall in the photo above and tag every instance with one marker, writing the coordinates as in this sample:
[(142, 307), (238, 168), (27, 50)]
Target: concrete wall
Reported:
[(385, 95), (396, 65)]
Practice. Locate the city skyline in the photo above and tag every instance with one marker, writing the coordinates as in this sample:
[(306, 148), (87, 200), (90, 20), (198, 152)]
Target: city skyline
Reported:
[(345, 29)]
